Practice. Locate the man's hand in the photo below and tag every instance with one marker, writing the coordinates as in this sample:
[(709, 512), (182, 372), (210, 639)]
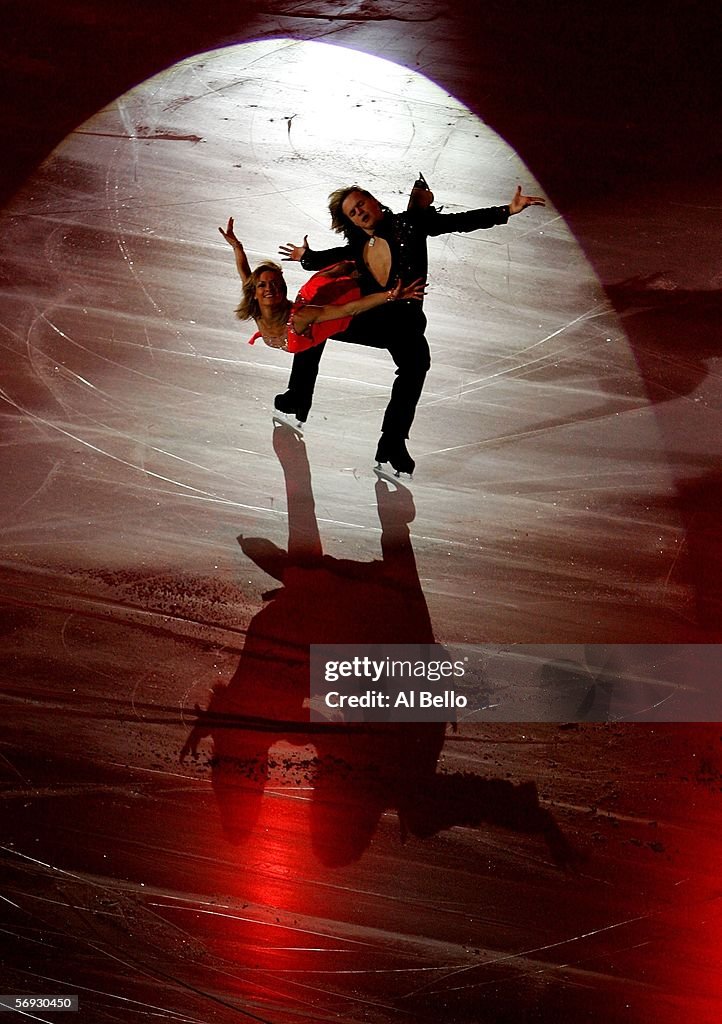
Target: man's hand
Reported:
[(520, 202), (229, 235), (290, 252)]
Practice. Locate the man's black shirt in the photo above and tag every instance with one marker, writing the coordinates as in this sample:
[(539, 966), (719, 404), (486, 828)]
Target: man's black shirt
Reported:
[(406, 234)]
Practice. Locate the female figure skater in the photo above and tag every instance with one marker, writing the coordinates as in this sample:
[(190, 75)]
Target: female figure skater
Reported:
[(324, 306)]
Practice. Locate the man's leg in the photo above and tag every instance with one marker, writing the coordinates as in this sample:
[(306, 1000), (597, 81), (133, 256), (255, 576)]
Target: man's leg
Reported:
[(413, 360), (399, 328), (299, 396)]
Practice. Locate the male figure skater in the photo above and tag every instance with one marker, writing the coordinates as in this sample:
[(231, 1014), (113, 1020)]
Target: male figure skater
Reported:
[(386, 246)]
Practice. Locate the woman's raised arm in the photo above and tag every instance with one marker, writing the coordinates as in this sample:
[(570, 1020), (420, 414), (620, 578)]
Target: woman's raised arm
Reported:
[(242, 264)]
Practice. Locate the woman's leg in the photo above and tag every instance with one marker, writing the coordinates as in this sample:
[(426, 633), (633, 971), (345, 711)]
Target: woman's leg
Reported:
[(299, 396)]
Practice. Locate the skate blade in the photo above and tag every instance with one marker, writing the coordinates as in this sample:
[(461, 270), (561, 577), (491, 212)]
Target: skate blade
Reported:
[(283, 419), (384, 471)]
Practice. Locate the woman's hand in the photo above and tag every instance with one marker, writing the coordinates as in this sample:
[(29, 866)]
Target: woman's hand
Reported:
[(421, 195), (242, 265), (230, 236), (290, 252), (416, 290)]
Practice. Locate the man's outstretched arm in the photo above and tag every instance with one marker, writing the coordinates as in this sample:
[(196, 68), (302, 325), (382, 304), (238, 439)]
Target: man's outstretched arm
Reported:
[(311, 259), (472, 220)]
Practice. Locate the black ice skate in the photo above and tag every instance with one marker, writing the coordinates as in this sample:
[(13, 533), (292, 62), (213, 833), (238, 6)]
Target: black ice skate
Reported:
[(392, 451), (285, 412)]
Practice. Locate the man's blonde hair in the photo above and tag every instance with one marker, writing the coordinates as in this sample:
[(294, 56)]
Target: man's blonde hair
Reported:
[(339, 221)]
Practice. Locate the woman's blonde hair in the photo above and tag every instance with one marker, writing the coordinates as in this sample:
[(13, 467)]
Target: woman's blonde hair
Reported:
[(249, 308)]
